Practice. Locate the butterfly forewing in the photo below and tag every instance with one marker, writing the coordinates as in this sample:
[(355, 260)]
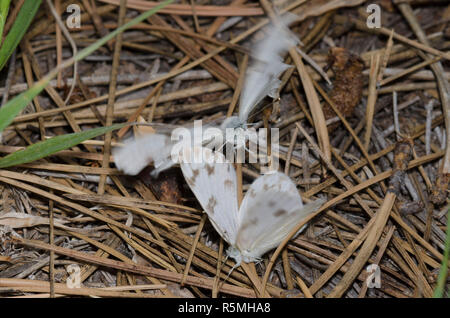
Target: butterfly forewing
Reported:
[(137, 153), (215, 187)]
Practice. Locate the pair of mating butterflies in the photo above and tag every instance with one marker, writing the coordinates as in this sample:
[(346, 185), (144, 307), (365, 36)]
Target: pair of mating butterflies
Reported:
[(272, 207), (261, 80)]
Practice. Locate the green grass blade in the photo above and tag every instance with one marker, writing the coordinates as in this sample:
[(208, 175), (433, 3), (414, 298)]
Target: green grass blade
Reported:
[(442, 278), (10, 110), (47, 147), (20, 26), (4, 7)]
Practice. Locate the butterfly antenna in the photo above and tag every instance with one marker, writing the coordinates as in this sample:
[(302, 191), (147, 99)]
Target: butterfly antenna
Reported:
[(229, 273), (231, 270)]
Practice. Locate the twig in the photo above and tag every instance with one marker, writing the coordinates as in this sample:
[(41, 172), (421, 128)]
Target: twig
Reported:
[(111, 99), (72, 44)]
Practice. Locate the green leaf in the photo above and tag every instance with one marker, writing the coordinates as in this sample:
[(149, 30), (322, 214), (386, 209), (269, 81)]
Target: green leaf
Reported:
[(47, 147), (4, 7), (442, 278), (10, 110), (20, 26)]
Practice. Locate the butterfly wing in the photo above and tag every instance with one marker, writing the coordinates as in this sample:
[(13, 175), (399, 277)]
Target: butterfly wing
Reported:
[(271, 209), (262, 77), (138, 152), (213, 182)]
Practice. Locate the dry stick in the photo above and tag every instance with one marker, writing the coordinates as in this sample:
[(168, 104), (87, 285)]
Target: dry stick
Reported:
[(62, 27), (378, 258), (369, 244), (194, 15), (426, 203), (215, 289), (51, 264), (85, 92), (237, 91), (183, 32), (420, 280), (193, 247), (421, 270), (409, 70), (346, 183), (11, 18), (314, 105), (30, 82), (290, 150), (318, 31), (423, 172), (386, 55), (287, 269), (314, 65), (111, 99), (121, 280), (58, 46), (372, 98), (303, 287), (300, 101), (186, 9), (96, 19), (9, 77), (36, 286), (222, 66)]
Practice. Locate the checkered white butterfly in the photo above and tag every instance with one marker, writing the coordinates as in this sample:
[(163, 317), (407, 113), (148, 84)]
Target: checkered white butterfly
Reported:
[(270, 210), (261, 80)]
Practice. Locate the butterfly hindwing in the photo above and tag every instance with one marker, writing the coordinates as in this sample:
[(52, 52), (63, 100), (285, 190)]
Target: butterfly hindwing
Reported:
[(215, 187), (271, 209)]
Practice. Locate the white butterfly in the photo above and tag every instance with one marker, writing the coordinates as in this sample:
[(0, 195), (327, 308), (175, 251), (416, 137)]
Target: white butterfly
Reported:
[(262, 76), (271, 208)]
